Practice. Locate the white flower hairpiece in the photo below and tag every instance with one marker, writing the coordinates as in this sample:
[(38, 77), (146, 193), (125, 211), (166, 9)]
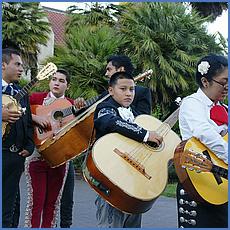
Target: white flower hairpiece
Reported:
[(203, 67)]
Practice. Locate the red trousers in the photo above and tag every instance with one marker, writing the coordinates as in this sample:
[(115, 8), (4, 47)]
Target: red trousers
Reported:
[(44, 185)]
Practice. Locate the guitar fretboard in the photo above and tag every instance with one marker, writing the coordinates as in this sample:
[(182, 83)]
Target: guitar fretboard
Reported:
[(172, 119), (220, 171), (25, 90), (68, 111)]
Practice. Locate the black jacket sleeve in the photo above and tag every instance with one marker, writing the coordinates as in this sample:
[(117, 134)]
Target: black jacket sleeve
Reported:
[(107, 120)]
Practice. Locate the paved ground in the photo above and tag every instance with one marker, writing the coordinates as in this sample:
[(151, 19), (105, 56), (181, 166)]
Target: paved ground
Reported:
[(162, 215)]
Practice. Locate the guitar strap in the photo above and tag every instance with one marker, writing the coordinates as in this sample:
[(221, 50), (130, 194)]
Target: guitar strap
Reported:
[(217, 177)]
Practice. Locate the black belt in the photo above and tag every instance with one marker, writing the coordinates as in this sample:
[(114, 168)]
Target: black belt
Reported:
[(13, 148)]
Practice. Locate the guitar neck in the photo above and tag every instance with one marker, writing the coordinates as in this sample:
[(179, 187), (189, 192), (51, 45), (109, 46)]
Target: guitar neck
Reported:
[(25, 89), (172, 119), (68, 111), (220, 171), (91, 101)]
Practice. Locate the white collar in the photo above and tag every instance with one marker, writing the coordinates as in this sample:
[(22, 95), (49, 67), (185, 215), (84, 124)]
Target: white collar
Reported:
[(203, 97), (126, 113), (52, 95), (4, 83)]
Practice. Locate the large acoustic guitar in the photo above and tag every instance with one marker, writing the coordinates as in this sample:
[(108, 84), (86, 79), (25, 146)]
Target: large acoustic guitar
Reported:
[(58, 113), (201, 172), (13, 102), (128, 174)]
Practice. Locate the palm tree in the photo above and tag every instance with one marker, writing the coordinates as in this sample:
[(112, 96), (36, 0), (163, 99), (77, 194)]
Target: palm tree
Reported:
[(84, 57), (23, 26), (161, 36), (169, 40), (96, 15)]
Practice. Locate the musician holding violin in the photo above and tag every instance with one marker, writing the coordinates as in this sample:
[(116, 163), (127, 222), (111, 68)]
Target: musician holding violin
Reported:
[(204, 116), (49, 187), (17, 142)]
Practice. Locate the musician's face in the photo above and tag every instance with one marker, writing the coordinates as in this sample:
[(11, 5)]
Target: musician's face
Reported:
[(12, 71), (111, 69), (217, 88), (58, 84), (123, 92)]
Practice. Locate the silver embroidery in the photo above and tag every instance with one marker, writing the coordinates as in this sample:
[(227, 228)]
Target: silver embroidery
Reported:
[(129, 126), (29, 205), (106, 111)]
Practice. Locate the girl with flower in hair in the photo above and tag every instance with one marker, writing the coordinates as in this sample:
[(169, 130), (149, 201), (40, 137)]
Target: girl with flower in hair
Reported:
[(204, 116)]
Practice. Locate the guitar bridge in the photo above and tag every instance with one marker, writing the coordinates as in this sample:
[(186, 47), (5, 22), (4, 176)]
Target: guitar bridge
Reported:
[(132, 161)]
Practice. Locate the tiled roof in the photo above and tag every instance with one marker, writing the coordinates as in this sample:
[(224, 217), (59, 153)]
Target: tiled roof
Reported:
[(57, 18)]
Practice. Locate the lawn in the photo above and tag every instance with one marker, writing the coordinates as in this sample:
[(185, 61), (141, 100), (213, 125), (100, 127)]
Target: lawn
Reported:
[(170, 190)]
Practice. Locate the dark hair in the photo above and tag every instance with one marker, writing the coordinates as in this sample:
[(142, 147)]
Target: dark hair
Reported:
[(119, 75), (217, 64), (121, 60), (64, 72), (7, 54)]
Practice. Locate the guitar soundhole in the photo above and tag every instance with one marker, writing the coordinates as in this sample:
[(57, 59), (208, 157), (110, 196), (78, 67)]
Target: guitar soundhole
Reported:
[(58, 115), (154, 146)]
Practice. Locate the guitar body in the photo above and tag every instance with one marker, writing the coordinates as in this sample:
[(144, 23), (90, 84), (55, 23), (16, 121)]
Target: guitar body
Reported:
[(131, 189), (70, 142), (12, 104), (54, 114), (203, 187)]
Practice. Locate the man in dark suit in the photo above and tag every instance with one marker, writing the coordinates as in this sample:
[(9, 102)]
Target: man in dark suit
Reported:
[(142, 103), (17, 143)]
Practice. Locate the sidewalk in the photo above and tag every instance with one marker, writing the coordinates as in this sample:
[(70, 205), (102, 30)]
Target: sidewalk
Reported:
[(163, 214)]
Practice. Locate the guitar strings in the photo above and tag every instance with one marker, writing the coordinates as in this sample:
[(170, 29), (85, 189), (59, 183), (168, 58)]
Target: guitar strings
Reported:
[(140, 154)]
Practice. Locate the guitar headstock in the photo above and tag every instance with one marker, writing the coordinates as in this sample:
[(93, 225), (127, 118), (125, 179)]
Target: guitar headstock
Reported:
[(147, 74), (47, 71), (195, 161)]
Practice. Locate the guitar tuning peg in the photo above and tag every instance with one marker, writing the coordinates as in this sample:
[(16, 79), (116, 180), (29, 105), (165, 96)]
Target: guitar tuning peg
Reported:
[(198, 171), (191, 169), (183, 167), (178, 100)]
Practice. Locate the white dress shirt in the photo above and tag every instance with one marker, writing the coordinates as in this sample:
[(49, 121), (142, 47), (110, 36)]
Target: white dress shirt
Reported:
[(4, 83), (194, 121)]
